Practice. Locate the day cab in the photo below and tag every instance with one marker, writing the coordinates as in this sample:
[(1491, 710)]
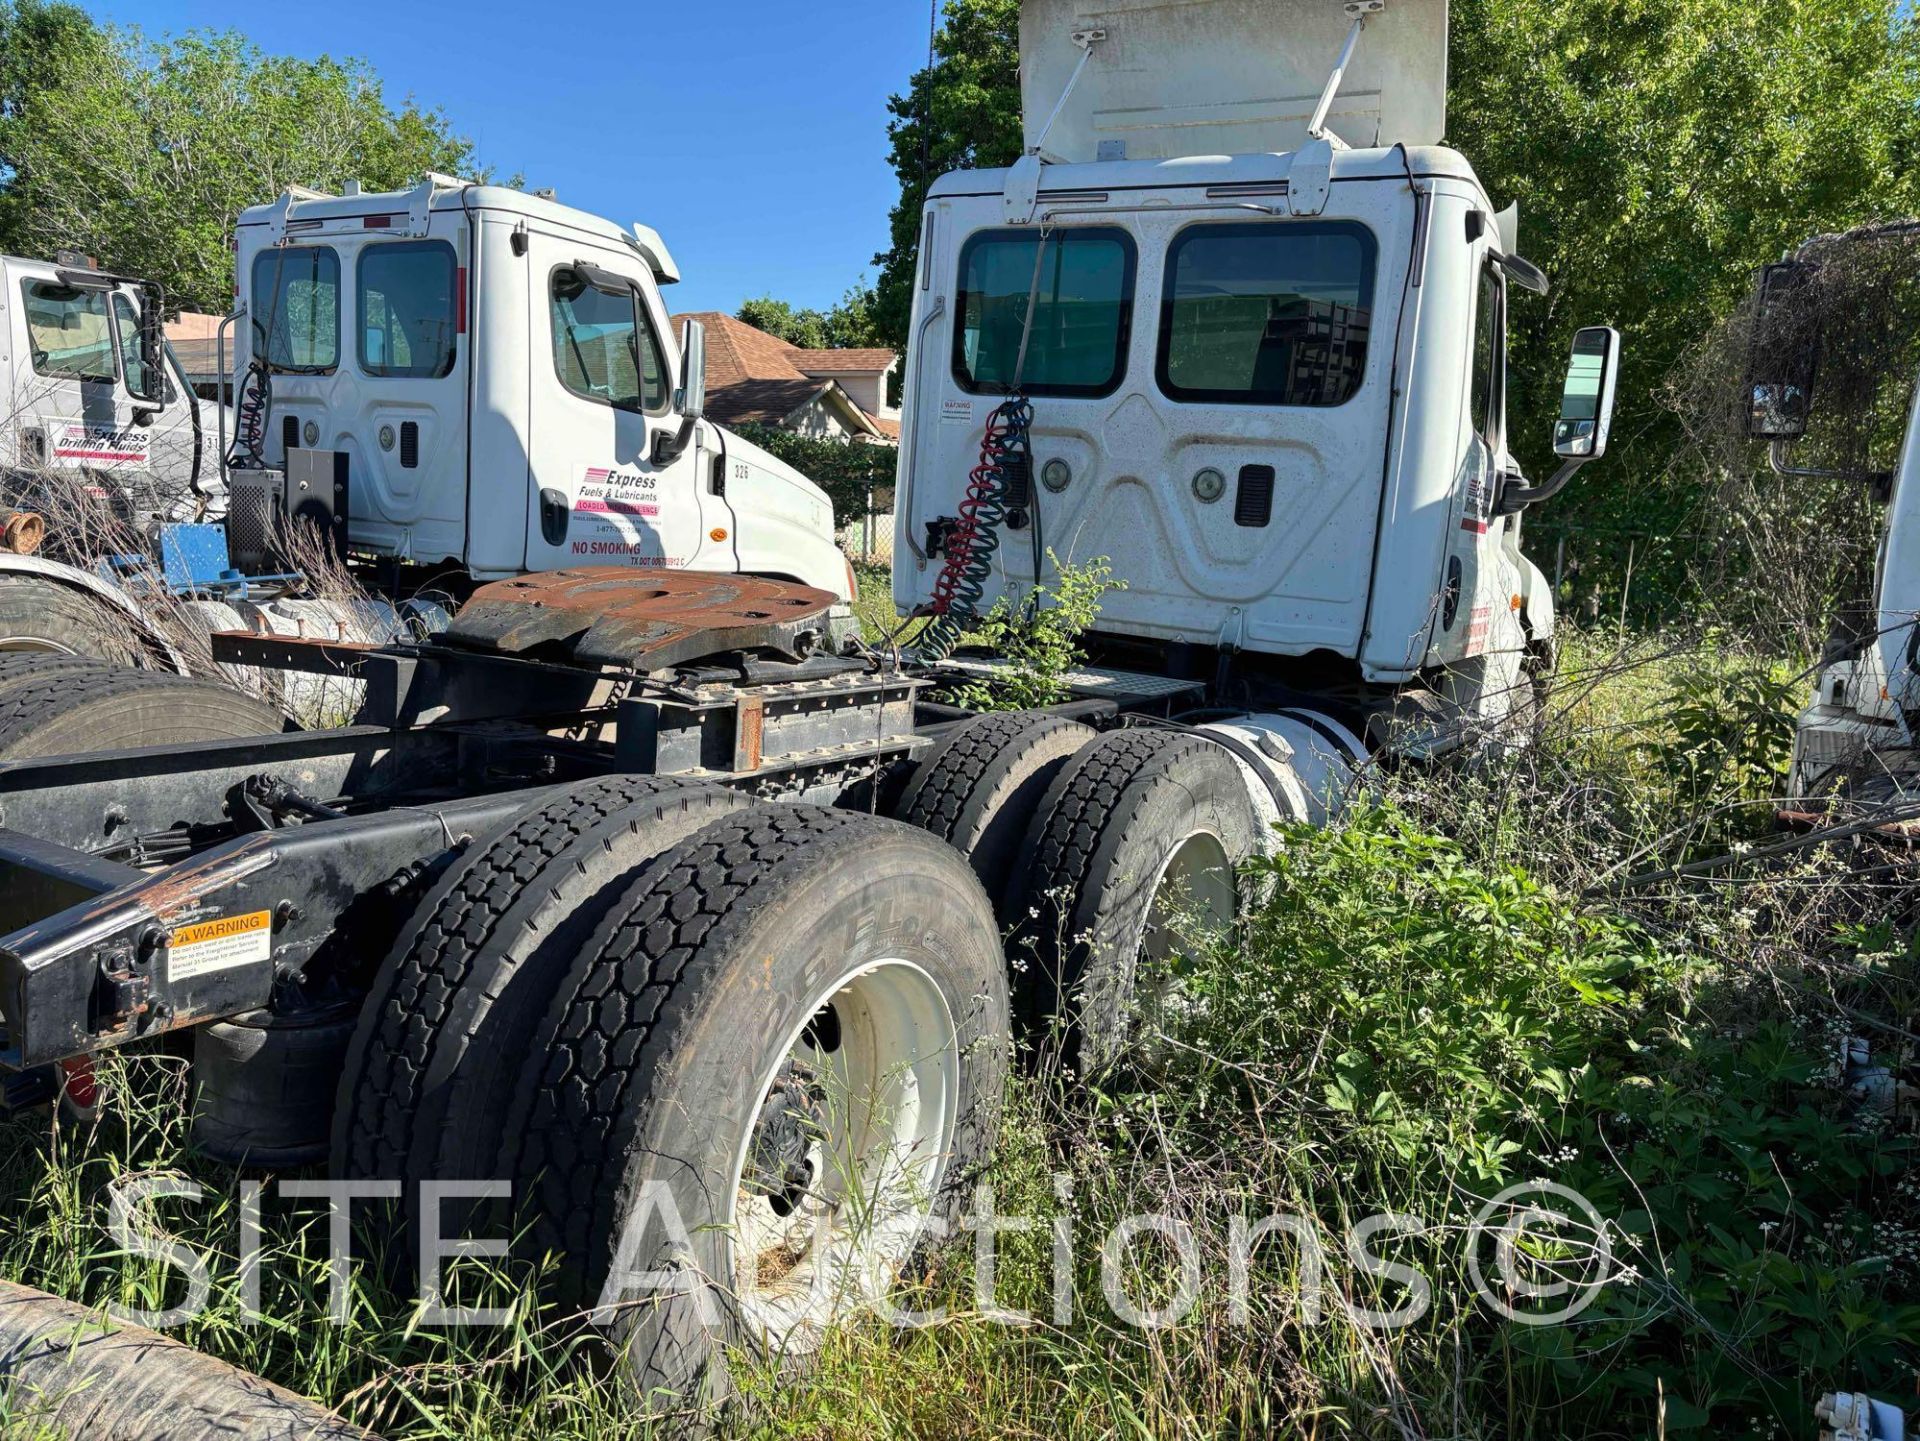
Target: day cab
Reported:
[(89, 384), (497, 374), (1269, 383)]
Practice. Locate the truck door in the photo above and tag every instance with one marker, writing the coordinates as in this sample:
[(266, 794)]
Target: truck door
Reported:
[(602, 393), (70, 410)]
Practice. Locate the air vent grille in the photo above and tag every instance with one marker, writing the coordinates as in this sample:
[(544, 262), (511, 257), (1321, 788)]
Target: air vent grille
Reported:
[(1253, 499), (409, 444), (289, 433)]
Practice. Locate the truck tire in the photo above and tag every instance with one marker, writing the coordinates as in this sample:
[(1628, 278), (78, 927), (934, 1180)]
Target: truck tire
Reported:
[(1138, 833), (66, 1372), (452, 1012), (71, 712), (978, 789), (791, 983), (38, 614), (18, 666)]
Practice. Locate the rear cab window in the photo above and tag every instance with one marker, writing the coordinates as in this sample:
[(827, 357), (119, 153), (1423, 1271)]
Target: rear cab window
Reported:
[(68, 331), (408, 309), (296, 308), (1268, 313), (604, 346), (1081, 283)]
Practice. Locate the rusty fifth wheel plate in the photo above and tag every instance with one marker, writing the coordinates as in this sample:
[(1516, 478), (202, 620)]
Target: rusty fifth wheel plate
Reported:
[(612, 616)]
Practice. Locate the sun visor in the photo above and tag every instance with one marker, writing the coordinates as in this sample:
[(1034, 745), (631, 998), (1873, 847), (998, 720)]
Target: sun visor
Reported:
[(1228, 77)]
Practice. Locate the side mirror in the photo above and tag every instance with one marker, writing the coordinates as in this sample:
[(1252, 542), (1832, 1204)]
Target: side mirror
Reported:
[(1782, 358), (151, 342), (1586, 402), (693, 370), (691, 398)]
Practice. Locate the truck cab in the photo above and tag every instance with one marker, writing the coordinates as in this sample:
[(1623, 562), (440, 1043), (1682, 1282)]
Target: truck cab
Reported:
[(1268, 386), (92, 388), (495, 378)]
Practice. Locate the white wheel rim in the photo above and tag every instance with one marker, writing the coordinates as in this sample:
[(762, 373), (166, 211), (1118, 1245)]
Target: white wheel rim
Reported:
[(880, 1110), (1193, 896), (1193, 899), (32, 644)]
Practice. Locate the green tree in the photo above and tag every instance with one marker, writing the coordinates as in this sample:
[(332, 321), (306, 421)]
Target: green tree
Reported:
[(143, 153), (33, 37), (963, 113), (1661, 151), (847, 325)]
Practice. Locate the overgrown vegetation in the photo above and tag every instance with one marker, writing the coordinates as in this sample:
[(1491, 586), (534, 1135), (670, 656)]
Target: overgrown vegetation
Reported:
[(1480, 980), (1038, 636)]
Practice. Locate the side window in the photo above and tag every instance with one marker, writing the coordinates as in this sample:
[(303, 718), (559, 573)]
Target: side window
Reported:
[(296, 308), (133, 365), (68, 332), (1489, 357), (407, 309), (1082, 290), (1270, 313), (604, 346)]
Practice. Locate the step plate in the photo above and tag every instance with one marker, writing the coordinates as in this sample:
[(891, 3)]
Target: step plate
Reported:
[(1093, 683), (613, 616)]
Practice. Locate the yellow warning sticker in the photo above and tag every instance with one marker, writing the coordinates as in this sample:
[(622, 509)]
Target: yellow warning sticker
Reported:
[(220, 944)]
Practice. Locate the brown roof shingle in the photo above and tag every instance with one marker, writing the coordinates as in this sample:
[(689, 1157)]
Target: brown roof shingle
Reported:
[(835, 362), (754, 377)]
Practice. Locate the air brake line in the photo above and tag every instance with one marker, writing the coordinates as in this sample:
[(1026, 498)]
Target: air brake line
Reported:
[(1006, 451)]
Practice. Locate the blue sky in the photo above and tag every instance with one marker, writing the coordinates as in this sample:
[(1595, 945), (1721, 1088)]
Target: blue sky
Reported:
[(750, 133)]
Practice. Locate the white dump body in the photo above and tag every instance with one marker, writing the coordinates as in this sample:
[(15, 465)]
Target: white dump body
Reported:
[(1228, 77)]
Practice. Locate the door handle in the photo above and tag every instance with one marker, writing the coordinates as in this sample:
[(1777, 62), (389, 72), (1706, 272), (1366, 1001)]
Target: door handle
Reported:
[(553, 516)]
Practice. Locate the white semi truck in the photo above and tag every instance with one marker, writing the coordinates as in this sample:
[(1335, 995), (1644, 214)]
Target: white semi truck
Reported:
[(607, 889), (454, 383), (92, 399)]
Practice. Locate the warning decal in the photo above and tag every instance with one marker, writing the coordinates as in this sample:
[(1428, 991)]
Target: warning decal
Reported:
[(219, 945)]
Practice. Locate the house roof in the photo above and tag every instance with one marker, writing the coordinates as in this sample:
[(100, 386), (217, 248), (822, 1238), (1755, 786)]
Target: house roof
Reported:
[(757, 378), (843, 362)]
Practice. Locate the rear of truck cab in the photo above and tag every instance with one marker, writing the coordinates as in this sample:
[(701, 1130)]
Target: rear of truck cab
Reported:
[(1281, 430)]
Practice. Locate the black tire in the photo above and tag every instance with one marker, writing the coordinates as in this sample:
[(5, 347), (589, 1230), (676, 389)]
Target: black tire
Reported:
[(19, 666), (447, 1027), (72, 712), (1098, 849), (695, 990), (979, 787), (40, 615), (68, 1373)]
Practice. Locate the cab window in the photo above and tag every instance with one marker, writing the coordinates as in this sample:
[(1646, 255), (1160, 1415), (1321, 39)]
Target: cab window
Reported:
[(1269, 313), (408, 309), (604, 345), (1081, 286), (296, 308), (1489, 357), (68, 331)]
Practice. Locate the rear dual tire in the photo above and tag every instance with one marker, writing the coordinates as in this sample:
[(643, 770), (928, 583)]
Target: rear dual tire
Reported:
[(634, 1029)]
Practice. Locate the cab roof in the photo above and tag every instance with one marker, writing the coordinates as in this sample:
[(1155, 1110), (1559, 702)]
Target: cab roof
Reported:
[(302, 208), (1376, 163)]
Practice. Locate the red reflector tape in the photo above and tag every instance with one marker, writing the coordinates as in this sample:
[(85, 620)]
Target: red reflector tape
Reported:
[(376, 222), (460, 301)]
